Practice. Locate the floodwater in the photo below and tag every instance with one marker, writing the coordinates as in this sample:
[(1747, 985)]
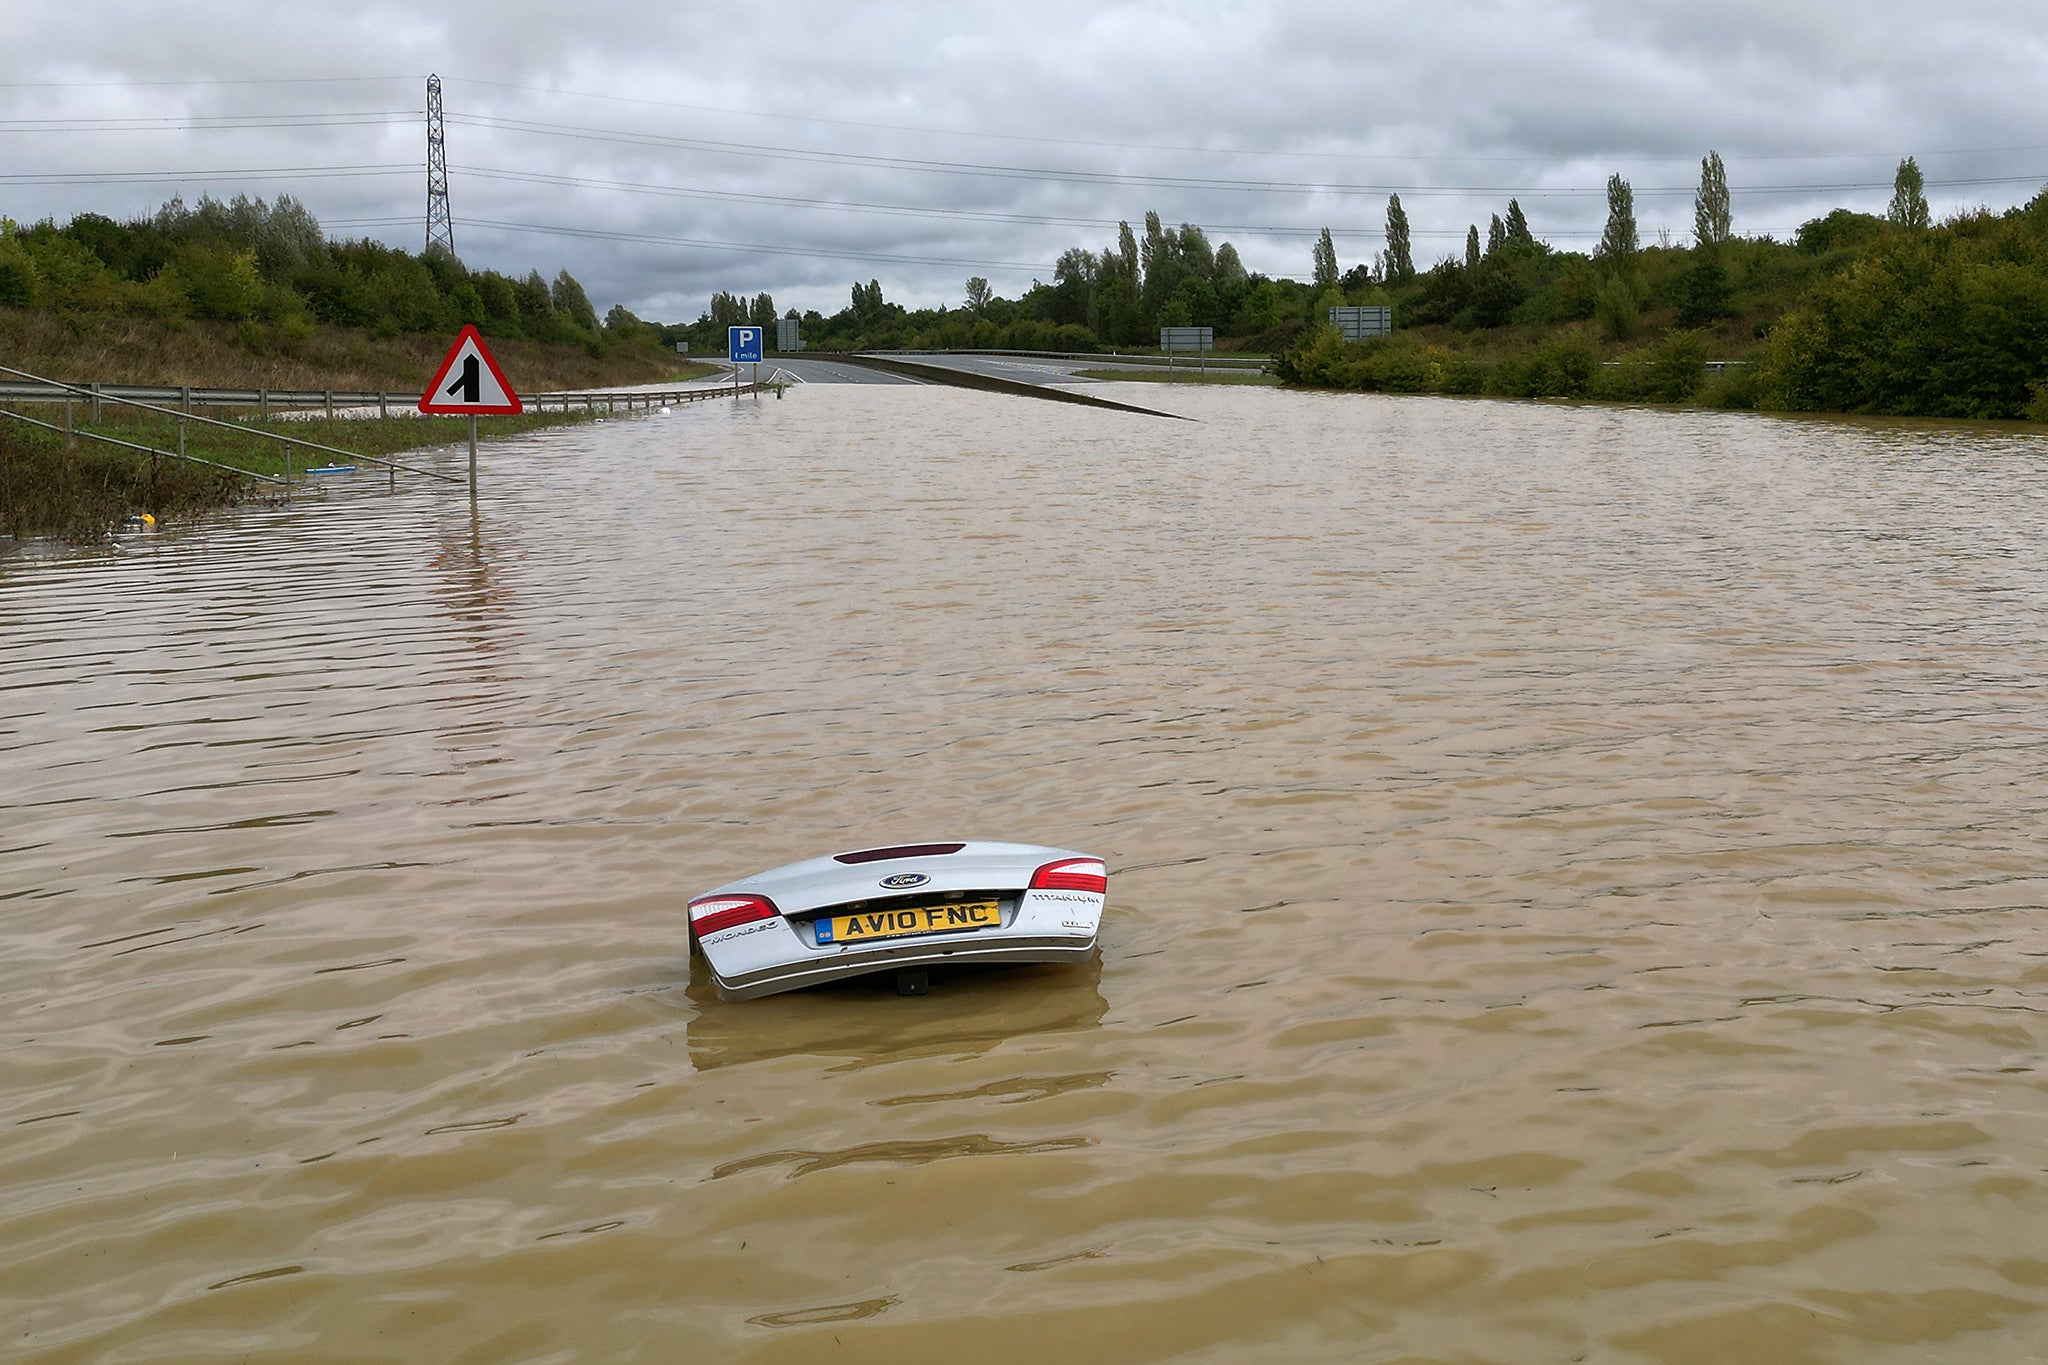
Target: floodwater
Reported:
[(1577, 893)]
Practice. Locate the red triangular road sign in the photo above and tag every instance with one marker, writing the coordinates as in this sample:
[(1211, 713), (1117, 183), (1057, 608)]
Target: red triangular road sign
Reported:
[(469, 382)]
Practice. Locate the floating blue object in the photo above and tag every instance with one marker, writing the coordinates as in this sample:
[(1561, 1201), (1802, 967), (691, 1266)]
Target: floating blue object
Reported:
[(332, 469)]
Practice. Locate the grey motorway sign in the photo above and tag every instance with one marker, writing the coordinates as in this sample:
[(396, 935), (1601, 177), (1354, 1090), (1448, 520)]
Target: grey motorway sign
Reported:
[(1375, 320)]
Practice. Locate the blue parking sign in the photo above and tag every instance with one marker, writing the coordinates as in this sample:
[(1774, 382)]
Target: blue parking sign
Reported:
[(743, 344)]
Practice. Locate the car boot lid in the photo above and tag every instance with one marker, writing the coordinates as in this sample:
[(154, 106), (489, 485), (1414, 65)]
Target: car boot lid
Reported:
[(899, 870)]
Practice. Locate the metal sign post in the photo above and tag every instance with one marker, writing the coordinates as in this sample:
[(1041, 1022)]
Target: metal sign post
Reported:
[(1200, 340), (743, 347)]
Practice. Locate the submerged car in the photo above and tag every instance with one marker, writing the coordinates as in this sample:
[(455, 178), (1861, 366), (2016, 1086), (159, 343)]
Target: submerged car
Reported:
[(902, 910)]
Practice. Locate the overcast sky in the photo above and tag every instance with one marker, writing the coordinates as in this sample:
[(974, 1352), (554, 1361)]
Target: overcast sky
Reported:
[(661, 152)]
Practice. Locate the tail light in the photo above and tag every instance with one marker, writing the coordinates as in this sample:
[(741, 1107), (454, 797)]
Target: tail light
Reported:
[(1072, 874), (711, 914)]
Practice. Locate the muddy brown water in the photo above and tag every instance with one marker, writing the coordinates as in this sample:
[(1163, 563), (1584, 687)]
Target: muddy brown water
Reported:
[(1577, 893)]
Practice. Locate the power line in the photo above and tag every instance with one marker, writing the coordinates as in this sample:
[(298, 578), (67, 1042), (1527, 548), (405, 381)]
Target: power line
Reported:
[(373, 118), (862, 206), (490, 173), (748, 248), (1083, 177), (252, 80), (928, 131), (208, 123), (167, 177), (859, 206)]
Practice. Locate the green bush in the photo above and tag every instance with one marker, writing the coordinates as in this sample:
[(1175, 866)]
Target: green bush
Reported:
[(1395, 364), (1677, 367), (73, 279), (1736, 389), (1562, 367), (1837, 230), (219, 281), (1703, 289), (1625, 380), (161, 296), (1617, 308), (1949, 323), (1312, 359), (1467, 374), (1412, 369), (21, 284)]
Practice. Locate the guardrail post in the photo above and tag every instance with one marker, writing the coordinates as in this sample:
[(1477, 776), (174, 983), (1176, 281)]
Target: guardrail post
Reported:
[(263, 404), (185, 399), (329, 396), (95, 404), (383, 405)]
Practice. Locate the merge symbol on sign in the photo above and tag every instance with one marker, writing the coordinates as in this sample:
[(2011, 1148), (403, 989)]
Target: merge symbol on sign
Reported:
[(469, 388)]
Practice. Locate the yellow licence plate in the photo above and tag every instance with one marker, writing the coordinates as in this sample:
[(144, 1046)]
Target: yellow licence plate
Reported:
[(926, 919)]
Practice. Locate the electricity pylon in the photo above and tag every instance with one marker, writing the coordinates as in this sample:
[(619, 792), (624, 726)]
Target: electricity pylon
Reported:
[(440, 226)]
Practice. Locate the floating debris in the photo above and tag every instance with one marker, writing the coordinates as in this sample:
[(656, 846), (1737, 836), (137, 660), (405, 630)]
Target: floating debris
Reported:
[(901, 910)]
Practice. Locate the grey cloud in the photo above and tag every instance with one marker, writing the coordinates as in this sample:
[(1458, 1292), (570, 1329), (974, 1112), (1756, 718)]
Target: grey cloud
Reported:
[(1457, 105)]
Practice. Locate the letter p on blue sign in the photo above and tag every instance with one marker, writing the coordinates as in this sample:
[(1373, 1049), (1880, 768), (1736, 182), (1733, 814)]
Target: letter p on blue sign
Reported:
[(743, 344)]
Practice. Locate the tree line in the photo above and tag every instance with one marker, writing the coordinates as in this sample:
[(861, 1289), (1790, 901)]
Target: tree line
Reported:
[(269, 268), (1117, 297), (1890, 314), (1859, 312)]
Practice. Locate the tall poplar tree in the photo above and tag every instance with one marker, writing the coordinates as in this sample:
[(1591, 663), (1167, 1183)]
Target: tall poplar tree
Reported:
[(1399, 256), (1909, 196), (1127, 247), (1518, 226), (1711, 223), (1325, 262), (1472, 247), (1229, 269), (1152, 251), (1496, 235), (1618, 245)]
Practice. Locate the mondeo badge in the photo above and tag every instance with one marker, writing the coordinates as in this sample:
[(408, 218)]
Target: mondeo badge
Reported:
[(903, 881)]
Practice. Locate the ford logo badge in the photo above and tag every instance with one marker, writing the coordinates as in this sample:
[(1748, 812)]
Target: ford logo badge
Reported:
[(903, 881)]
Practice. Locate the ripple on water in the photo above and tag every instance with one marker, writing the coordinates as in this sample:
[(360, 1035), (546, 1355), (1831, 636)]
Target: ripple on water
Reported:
[(1576, 880)]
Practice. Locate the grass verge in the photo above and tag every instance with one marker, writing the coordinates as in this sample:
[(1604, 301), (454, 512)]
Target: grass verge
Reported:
[(111, 349), (47, 490)]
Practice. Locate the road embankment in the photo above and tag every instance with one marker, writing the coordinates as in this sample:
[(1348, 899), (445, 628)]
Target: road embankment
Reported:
[(80, 492)]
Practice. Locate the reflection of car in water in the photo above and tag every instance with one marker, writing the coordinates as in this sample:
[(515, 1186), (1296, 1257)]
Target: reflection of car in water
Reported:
[(831, 1022), (903, 910)]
